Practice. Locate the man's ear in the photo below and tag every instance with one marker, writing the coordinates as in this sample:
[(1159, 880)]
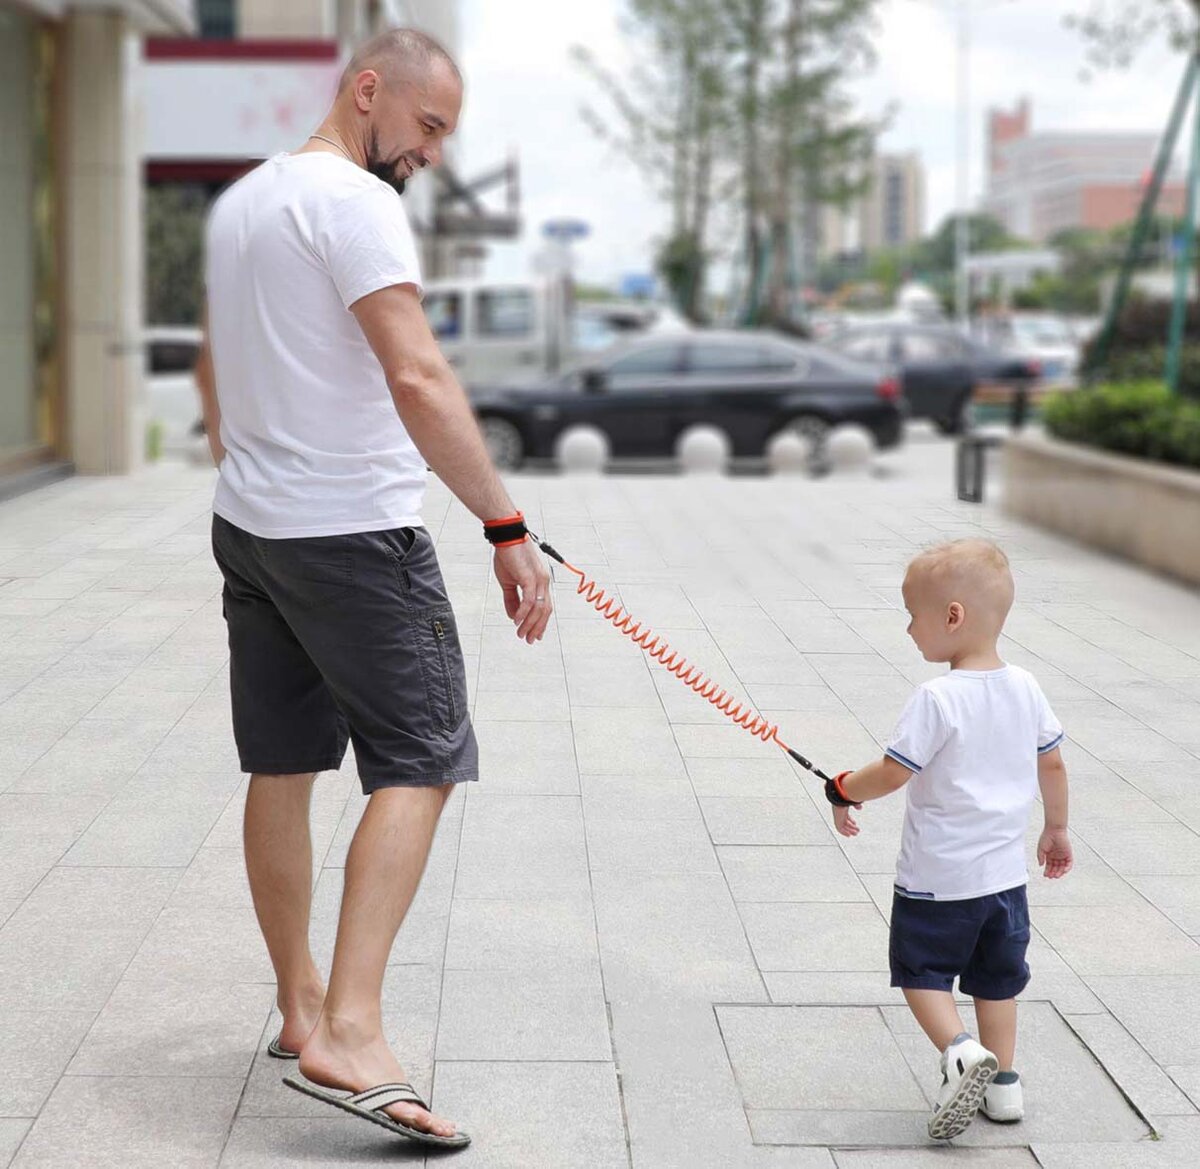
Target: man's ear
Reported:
[(366, 88)]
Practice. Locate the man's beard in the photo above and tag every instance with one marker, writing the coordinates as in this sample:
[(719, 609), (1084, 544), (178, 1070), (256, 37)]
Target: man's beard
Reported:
[(383, 169)]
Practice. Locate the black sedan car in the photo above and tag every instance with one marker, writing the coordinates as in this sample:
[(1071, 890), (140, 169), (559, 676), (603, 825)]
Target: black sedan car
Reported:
[(941, 370), (645, 394)]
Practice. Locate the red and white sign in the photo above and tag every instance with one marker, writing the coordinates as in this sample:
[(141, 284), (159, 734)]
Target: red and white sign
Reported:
[(229, 100)]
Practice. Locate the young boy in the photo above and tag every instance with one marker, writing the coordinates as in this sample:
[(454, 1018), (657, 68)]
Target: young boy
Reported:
[(973, 746)]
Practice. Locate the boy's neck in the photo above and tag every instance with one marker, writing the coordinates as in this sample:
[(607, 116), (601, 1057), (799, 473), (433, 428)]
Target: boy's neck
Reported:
[(983, 657)]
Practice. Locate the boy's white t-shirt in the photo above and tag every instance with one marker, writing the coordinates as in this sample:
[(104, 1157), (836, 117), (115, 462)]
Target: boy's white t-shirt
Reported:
[(972, 738), (313, 443)]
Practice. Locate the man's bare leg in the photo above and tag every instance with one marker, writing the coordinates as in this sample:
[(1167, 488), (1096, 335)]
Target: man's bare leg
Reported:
[(279, 865), (347, 1049)]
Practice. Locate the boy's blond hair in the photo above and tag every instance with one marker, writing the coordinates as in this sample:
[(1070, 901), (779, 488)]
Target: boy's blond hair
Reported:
[(972, 571)]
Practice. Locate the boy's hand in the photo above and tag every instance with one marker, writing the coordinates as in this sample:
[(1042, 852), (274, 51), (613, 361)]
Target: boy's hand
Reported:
[(1054, 852), (844, 822)]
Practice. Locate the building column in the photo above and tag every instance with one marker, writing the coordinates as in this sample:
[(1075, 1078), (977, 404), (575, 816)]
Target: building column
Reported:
[(102, 245)]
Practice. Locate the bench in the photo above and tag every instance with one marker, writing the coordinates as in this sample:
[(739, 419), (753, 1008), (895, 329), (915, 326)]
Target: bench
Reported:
[(970, 464)]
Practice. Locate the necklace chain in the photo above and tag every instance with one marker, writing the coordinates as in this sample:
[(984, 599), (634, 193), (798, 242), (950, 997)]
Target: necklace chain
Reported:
[(335, 145)]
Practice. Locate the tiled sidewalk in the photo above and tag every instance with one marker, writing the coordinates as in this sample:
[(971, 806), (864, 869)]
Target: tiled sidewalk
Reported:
[(638, 941)]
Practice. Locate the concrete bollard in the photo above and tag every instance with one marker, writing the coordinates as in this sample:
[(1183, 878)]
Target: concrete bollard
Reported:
[(703, 450), (850, 448), (582, 450)]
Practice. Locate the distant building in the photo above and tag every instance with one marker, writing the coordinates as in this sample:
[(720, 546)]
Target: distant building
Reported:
[(1042, 183), (890, 215)]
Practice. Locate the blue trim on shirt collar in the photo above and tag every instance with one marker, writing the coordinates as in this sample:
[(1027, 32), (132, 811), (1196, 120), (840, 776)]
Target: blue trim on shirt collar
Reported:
[(900, 759)]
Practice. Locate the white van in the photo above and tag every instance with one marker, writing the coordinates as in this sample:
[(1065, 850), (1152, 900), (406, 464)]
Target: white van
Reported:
[(495, 331)]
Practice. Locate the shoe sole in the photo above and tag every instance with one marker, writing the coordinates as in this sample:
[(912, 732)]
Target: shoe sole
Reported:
[(1001, 1118), (956, 1115)]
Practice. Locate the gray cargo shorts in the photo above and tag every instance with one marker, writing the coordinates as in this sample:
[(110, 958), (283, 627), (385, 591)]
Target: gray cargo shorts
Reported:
[(337, 638)]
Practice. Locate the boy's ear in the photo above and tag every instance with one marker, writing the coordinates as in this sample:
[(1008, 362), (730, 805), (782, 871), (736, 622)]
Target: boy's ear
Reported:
[(955, 614)]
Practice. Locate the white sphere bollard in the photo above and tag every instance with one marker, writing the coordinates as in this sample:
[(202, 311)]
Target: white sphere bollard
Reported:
[(850, 447), (582, 450), (703, 450), (789, 454)]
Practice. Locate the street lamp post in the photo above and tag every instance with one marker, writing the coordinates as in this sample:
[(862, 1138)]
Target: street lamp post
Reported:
[(962, 234), (962, 237)]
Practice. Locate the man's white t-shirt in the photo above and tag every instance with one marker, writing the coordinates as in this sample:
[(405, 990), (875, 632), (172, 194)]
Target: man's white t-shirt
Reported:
[(972, 739), (314, 446)]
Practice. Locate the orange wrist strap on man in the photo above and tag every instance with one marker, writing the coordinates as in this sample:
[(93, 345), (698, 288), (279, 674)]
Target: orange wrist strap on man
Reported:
[(504, 533)]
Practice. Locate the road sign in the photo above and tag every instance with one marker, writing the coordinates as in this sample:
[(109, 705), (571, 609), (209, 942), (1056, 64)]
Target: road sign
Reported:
[(565, 230)]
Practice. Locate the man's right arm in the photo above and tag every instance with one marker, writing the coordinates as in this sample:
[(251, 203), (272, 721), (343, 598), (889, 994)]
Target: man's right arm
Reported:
[(210, 409), (439, 419)]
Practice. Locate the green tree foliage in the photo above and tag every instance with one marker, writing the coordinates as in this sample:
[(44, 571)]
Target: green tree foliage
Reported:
[(175, 254), (736, 109), (1116, 30)]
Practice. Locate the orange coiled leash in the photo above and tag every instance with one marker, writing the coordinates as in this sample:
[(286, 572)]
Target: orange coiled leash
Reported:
[(647, 640)]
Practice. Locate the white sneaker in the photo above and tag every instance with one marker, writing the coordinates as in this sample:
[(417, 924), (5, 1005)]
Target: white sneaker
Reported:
[(1004, 1103), (967, 1069)]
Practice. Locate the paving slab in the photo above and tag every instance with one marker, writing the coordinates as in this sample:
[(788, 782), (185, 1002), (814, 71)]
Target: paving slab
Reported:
[(630, 866)]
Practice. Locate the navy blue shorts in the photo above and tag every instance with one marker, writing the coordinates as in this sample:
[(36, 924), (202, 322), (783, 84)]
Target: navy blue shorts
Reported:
[(980, 941)]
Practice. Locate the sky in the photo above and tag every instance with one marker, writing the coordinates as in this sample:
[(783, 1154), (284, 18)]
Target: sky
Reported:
[(525, 95)]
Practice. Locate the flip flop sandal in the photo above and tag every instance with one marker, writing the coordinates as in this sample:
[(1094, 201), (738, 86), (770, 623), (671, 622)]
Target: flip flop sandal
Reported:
[(277, 1052), (370, 1106)]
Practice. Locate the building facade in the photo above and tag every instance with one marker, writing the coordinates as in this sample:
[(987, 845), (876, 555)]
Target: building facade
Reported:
[(890, 215), (70, 237), (1039, 184), (258, 78)]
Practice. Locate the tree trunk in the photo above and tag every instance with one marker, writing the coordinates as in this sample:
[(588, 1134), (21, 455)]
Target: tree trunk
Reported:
[(751, 103)]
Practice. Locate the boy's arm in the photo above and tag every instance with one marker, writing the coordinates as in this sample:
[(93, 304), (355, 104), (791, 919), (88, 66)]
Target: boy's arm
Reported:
[(872, 782), (1054, 847)]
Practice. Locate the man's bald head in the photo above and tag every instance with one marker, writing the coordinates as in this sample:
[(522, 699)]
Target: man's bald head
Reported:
[(399, 100), (400, 55)]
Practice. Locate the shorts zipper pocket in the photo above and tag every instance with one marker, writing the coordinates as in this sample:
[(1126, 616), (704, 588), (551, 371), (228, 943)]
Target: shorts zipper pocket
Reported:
[(447, 677)]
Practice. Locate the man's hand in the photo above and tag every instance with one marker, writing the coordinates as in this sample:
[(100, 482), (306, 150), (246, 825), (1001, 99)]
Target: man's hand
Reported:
[(523, 575), (844, 822), (1054, 852)]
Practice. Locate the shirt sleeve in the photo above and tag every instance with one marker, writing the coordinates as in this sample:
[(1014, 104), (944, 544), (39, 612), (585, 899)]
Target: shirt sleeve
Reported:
[(920, 733), (1050, 731), (367, 244)]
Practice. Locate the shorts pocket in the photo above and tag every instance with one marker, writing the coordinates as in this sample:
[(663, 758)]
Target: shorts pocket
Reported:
[(442, 664), (316, 574)]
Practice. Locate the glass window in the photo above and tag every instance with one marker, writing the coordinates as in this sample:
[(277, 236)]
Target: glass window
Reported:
[(444, 311), (30, 413), (930, 347), (865, 346), (217, 19), (649, 362), (708, 358), (505, 312)]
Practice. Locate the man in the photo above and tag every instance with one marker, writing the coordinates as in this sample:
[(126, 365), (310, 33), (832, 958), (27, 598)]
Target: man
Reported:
[(325, 396)]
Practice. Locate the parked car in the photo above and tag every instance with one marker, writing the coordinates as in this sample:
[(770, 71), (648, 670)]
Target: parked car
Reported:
[(940, 369), (1039, 337), (644, 394), (172, 400)]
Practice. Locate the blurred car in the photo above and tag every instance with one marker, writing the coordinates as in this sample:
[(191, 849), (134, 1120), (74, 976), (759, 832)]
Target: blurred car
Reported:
[(170, 353), (646, 393), (941, 370), (1043, 338)]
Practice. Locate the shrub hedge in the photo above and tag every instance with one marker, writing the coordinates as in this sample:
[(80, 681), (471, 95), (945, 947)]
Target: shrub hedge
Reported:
[(1133, 418)]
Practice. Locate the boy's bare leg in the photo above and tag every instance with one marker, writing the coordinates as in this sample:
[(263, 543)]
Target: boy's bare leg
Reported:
[(935, 1010), (347, 1049), (998, 1029), (278, 847)]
